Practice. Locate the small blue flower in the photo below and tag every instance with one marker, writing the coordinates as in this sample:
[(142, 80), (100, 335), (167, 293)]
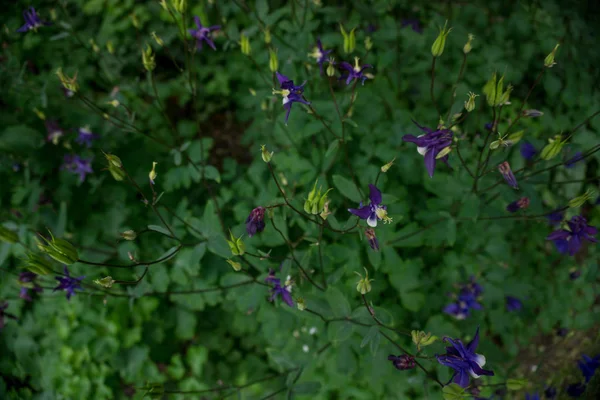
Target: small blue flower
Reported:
[(571, 240), (202, 34), (489, 126), (291, 94), (466, 300), (68, 283), (320, 55), (85, 136), (285, 291), (355, 72), (513, 304), (374, 211), (32, 21), (78, 166), (431, 144), (588, 366), (463, 360), (255, 222), (528, 151), (570, 163)]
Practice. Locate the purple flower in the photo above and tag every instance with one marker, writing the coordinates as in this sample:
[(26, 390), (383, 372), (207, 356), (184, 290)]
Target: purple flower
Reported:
[(27, 281), (413, 23), (570, 163), (489, 126), (534, 396), (85, 136), (570, 240), (373, 242), (463, 360), (291, 94), (68, 283), (431, 144), (4, 314), (403, 362), (320, 55), (255, 221), (508, 175), (550, 392), (77, 165), (517, 205), (374, 211), (513, 304), (528, 150), (54, 131), (203, 34), (588, 366), (555, 217), (576, 389), (32, 21), (284, 291), (356, 72), (466, 300)]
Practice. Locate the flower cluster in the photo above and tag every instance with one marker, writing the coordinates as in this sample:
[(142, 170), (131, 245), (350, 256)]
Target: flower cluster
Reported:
[(569, 240), (285, 291), (467, 299)]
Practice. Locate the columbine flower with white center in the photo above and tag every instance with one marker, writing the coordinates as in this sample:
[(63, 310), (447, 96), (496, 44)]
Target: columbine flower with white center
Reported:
[(290, 93), (355, 72), (433, 145), (85, 136), (320, 55), (32, 21), (374, 211)]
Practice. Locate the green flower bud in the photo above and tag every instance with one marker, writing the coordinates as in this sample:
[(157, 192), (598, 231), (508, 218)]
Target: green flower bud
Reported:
[(68, 83), (349, 40), (152, 174), (157, 39), (267, 36), (38, 264), (368, 43), (490, 90), (440, 42), (470, 103), (273, 62), (549, 60), (235, 265), (301, 304), (245, 44), (581, 200), (8, 236), (467, 47), (236, 245), (110, 47), (330, 67), (363, 286), (264, 153), (179, 5), (106, 282), (148, 59), (504, 99), (115, 167), (129, 235), (387, 166), (95, 47), (553, 148)]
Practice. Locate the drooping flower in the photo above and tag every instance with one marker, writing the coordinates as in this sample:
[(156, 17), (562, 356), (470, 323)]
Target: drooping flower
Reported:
[(27, 282), (54, 131), (433, 145), (569, 240), (534, 396), (414, 24), (508, 175), (32, 21), (77, 165), (466, 300), (373, 242), (463, 360), (374, 211), (4, 314), (528, 151), (588, 366), (517, 205), (403, 362), (290, 93), (570, 163), (202, 34), (320, 55), (256, 221), (85, 136), (68, 283), (355, 72), (513, 304), (285, 291)]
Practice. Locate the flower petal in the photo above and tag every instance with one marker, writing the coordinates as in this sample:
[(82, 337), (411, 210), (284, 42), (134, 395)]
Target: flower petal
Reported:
[(374, 195), (362, 213), (430, 162), (372, 220)]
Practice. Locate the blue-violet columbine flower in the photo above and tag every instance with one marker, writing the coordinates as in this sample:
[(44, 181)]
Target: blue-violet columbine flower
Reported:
[(68, 283), (403, 362), (534, 396), (374, 211), (508, 175), (77, 165), (517, 205), (570, 163), (588, 366), (290, 93), (320, 55), (4, 314), (569, 240), (255, 222), (528, 151), (54, 131), (463, 360), (85, 136), (466, 300), (202, 34), (432, 145), (356, 72), (284, 291), (513, 304), (32, 21), (372, 238), (27, 282)]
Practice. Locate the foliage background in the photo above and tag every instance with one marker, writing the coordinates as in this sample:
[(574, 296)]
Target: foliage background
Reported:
[(104, 346)]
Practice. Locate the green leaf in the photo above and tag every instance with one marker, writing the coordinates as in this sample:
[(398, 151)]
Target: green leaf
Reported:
[(346, 188), (307, 388), (338, 331), (371, 333), (20, 139), (159, 229), (453, 392), (516, 384), (282, 360), (338, 302)]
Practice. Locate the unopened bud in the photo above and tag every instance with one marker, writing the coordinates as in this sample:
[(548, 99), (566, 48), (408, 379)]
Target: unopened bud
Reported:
[(440, 42), (386, 167), (264, 153), (549, 60), (420, 338), (349, 40), (129, 235), (69, 84), (267, 36), (110, 47), (372, 238), (235, 265), (152, 174), (532, 113), (135, 21), (236, 245), (470, 103), (403, 362), (148, 59), (467, 47), (157, 39), (95, 47), (368, 43), (273, 62), (245, 44), (114, 102), (581, 200), (508, 175), (330, 68), (363, 286)]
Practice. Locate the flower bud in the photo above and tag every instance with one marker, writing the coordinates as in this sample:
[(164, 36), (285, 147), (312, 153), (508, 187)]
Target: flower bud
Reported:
[(115, 167), (505, 97), (273, 62), (114, 102), (148, 59), (157, 39), (325, 213), (363, 286), (236, 245), (264, 153), (8, 236), (349, 40), (235, 265), (420, 338), (106, 282), (179, 5), (508, 175), (69, 84), (368, 43), (387, 166), (373, 242), (330, 67), (440, 42), (39, 113), (267, 33), (129, 235), (549, 60), (301, 304), (521, 204), (95, 47), (490, 90), (152, 174), (553, 148), (470, 103), (467, 47), (403, 362), (245, 44), (532, 113), (38, 264), (581, 200), (110, 47)]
